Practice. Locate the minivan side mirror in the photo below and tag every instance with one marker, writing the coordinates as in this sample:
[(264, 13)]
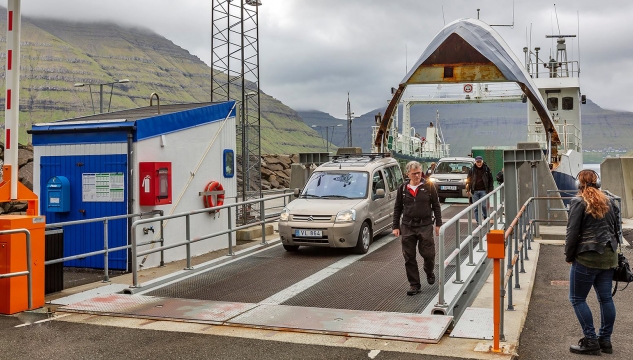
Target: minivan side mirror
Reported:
[(380, 193), (297, 192)]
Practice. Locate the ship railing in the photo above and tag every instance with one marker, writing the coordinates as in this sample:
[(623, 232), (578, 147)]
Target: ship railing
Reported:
[(564, 69), (568, 133)]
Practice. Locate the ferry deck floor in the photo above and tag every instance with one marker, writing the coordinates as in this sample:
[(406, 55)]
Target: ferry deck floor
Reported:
[(381, 272)]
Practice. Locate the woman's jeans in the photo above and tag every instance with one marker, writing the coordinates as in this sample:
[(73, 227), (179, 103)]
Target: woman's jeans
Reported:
[(581, 279)]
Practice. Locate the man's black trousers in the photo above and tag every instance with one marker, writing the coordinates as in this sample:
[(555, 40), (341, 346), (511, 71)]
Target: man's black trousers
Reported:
[(422, 238)]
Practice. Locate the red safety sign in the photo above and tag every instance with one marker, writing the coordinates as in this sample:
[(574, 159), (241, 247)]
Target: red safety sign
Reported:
[(468, 88)]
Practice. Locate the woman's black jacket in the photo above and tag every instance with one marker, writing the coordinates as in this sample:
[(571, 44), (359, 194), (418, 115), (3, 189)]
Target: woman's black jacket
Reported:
[(586, 233)]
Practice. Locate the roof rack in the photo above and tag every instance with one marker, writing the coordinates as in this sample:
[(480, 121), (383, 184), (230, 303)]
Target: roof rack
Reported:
[(368, 156)]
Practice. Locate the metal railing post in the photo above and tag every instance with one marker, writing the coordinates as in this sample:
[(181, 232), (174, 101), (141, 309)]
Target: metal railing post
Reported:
[(458, 257), (162, 243), (442, 256), (502, 292), (516, 251), (509, 267), (106, 276), (188, 246), (230, 233), (496, 207), (522, 239), (134, 258), (262, 215)]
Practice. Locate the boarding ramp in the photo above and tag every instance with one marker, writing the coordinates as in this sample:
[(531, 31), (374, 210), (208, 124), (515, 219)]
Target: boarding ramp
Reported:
[(320, 289)]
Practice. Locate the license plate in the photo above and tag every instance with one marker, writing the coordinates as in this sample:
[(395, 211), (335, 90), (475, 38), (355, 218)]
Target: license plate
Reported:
[(308, 233), (448, 187)]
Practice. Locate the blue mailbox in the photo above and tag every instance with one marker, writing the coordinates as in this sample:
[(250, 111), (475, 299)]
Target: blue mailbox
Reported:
[(58, 194)]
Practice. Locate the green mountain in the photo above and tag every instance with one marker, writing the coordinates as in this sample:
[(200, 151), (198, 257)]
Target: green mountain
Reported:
[(58, 54), (605, 132)]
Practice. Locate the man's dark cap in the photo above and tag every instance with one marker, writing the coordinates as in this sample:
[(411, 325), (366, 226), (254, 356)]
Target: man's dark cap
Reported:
[(479, 158)]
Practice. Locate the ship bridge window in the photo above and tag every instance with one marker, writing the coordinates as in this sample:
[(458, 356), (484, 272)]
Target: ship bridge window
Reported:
[(552, 104), (568, 103)]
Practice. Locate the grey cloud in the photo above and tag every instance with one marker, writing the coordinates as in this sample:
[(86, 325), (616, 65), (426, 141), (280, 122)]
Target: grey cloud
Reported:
[(313, 52)]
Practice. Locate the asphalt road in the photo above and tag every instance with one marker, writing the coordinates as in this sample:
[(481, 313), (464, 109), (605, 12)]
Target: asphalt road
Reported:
[(551, 325), (69, 341)]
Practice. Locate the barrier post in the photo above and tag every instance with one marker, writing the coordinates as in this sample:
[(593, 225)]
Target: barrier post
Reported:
[(496, 251)]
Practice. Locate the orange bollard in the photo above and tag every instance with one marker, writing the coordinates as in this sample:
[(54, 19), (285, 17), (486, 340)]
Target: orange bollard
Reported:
[(496, 251)]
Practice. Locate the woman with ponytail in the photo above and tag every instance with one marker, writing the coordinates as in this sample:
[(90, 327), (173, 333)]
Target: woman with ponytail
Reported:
[(593, 229)]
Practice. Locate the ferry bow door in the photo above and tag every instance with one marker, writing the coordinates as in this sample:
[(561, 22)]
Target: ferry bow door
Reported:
[(98, 188)]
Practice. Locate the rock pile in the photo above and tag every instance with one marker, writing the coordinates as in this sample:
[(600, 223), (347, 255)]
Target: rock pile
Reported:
[(25, 176), (275, 171)]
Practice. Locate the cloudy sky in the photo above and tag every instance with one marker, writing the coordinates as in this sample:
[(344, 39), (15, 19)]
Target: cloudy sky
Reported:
[(312, 52)]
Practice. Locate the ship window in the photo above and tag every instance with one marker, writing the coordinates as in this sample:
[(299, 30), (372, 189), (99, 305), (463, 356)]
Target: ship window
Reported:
[(552, 104), (568, 103)]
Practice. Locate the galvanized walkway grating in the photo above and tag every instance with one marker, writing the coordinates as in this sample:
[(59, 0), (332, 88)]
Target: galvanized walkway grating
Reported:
[(383, 325)]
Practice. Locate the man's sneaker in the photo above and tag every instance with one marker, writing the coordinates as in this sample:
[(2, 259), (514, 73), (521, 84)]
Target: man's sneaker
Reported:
[(413, 290), (430, 279), (605, 346), (586, 346)]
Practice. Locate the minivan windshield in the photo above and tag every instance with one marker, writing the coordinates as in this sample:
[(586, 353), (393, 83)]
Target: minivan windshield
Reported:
[(453, 167), (350, 185)]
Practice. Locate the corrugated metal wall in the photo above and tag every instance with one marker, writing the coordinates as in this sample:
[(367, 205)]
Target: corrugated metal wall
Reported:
[(87, 237)]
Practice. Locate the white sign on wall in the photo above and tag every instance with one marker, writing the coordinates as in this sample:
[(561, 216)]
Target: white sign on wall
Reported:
[(103, 187)]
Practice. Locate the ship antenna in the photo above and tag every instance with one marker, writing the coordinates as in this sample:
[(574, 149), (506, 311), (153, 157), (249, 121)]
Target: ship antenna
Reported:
[(578, 17), (557, 23), (443, 18)]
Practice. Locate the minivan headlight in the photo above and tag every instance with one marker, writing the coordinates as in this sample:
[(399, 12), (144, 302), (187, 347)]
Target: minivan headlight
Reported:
[(431, 179), (346, 215), (285, 214)]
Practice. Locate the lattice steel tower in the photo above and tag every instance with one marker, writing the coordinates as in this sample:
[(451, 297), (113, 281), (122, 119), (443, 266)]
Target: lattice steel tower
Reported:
[(235, 75)]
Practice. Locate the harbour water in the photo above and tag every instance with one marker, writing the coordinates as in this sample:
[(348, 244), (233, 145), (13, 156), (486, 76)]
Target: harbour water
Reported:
[(594, 167)]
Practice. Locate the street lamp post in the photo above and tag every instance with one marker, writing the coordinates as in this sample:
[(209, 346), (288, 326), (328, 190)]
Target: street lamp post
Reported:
[(327, 134), (101, 92)]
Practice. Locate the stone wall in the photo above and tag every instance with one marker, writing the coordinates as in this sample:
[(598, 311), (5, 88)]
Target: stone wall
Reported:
[(25, 176), (275, 171)]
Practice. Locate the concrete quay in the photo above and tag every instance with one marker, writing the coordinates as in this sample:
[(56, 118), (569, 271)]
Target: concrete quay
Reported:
[(542, 325)]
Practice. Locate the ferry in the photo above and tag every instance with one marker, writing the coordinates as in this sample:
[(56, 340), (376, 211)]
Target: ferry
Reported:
[(481, 60)]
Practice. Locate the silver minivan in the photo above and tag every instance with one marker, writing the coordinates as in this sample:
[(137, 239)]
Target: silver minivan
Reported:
[(450, 177), (344, 203)]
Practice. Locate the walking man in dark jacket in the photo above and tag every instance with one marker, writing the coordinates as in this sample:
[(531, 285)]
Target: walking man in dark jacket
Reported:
[(417, 203), (479, 183)]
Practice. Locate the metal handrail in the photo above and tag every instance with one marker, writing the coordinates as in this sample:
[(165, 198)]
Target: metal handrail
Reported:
[(496, 215), (105, 252), (29, 270), (188, 240)]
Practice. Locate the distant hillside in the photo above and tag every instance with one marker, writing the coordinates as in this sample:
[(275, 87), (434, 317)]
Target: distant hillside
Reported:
[(58, 54), (605, 132)]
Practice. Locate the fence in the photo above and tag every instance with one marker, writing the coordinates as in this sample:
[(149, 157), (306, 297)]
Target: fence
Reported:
[(106, 250), (263, 219)]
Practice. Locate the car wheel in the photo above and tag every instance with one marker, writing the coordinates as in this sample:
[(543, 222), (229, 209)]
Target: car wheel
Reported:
[(442, 200), (291, 248), (364, 239)]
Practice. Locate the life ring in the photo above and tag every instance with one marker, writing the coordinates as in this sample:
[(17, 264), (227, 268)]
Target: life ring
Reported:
[(208, 199)]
